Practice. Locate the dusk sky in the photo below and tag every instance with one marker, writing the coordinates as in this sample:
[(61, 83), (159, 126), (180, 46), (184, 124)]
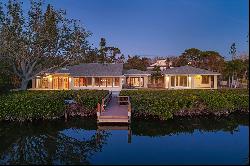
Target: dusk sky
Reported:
[(163, 27)]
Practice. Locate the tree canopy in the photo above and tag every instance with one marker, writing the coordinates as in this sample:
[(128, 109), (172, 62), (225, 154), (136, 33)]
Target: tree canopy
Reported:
[(41, 41), (136, 62)]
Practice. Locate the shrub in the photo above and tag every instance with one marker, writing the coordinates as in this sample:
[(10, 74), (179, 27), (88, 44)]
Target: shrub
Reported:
[(165, 103), (31, 105)]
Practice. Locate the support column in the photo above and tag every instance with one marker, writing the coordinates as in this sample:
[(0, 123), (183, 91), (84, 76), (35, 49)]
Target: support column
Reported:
[(145, 81), (71, 82), (215, 81), (210, 81), (166, 83), (192, 81), (189, 81), (140, 81), (93, 81)]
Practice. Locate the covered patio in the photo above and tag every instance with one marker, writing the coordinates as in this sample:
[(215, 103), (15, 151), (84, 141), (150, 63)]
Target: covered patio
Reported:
[(136, 79)]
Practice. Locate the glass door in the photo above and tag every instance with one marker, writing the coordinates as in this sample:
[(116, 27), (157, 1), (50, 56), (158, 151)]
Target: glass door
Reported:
[(66, 83)]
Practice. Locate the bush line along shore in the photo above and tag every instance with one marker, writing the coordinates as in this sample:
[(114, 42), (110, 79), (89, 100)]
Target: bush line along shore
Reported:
[(162, 104), (146, 104)]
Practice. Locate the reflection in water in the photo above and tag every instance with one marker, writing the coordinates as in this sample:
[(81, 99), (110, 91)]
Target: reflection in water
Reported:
[(80, 141), (48, 144)]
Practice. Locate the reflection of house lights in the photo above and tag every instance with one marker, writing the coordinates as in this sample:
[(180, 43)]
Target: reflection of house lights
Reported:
[(69, 79), (50, 79)]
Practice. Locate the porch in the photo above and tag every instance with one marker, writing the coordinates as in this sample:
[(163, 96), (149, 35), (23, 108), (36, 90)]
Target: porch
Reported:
[(51, 82), (156, 82)]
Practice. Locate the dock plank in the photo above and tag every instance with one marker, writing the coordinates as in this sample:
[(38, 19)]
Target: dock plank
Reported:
[(114, 112)]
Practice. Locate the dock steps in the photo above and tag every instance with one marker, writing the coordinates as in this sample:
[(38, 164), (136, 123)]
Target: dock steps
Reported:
[(113, 120), (115, 117)]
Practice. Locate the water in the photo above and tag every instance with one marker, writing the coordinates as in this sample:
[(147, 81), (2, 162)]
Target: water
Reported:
[(179, 141)]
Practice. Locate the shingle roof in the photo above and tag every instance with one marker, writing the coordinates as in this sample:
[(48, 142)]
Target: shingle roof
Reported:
[(93, 69), (97, 69), (189, 70), (136, 72)]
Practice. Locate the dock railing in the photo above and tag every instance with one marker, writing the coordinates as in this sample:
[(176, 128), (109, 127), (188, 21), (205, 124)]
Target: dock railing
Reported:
[(104, 103)]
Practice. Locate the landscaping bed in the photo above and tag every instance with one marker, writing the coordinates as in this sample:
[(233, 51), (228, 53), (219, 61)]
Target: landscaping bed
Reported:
[(165, 104), (34, 105)]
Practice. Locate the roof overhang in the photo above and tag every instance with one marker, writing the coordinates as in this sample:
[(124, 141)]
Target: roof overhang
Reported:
[(95, 76), (137, 74), (192, 74)]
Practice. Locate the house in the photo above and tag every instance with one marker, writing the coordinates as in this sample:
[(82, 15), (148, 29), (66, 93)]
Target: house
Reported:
[(83, 76), (112, 77)]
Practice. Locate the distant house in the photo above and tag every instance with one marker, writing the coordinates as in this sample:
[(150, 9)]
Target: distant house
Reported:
[(163, 64), (112, 77)]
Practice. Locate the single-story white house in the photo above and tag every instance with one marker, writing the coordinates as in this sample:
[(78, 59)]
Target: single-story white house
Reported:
[(113, 77)]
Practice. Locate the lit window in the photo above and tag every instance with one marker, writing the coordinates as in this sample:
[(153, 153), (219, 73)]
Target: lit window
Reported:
[(97, 81), (103, 81), (109, 82), (205, 79), (181, 80), (172, 80), (89, 81), (76, 82), (82, 81), (116, 81)]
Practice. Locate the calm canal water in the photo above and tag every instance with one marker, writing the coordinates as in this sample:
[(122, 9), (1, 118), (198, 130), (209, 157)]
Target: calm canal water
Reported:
[(79, 141)]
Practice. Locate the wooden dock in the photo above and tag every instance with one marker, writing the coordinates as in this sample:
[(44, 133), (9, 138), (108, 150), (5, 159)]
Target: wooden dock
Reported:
[(114, 109)]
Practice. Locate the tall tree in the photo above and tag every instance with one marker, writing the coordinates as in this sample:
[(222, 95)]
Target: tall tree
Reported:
[(233, 51), (39, 42), (233, 64), (136, 62), (211, 60), (108, 54), (102, 51), (191, 57)]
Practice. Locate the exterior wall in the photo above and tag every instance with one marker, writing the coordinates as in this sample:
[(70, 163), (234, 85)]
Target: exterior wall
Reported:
[(166, 81), (198, 84), (215, 82), (145, 81), (193, 82), (38, 81), (72, 87), (50, 82), (145, 78), (33, 83), (93, 87)]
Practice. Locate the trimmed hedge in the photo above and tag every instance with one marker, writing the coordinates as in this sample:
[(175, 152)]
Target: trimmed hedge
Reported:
[(32, 105), (163, 104)]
